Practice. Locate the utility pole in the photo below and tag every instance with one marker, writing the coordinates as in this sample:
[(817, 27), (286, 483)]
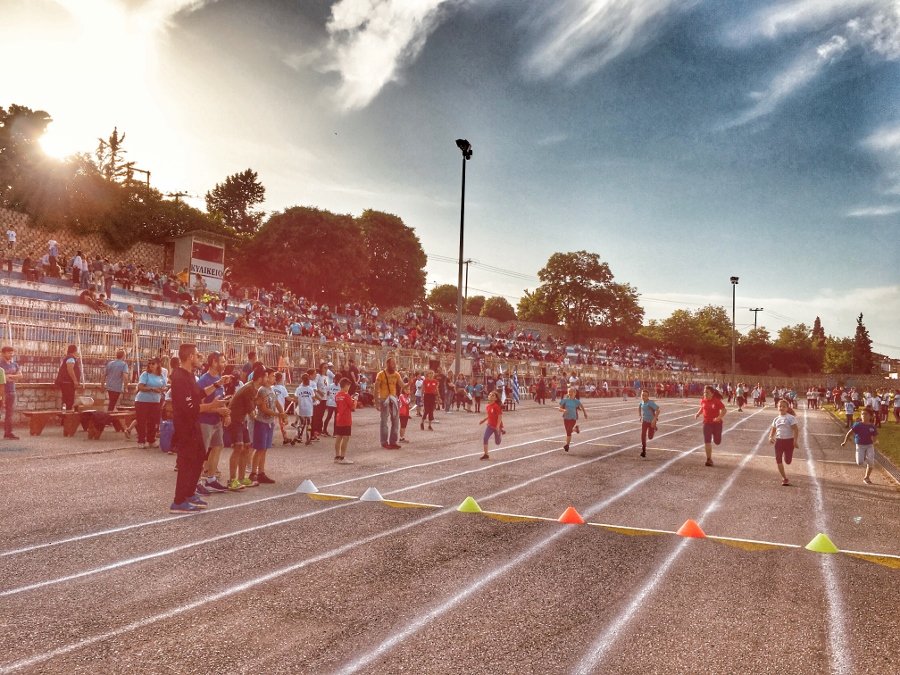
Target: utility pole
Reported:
[(755, 310), (466, 293)]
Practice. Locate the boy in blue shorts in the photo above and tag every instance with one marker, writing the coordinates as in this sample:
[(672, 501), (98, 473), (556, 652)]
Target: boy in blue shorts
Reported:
[(648, 412), (267, 410), (569, 406), (865, 434)]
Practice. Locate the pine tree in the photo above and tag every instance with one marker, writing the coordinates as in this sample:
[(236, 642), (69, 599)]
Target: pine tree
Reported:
[(861, 360), (818, 334)]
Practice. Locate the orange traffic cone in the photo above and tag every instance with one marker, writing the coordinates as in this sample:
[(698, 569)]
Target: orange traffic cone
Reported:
[(571, 517), (691, 529)]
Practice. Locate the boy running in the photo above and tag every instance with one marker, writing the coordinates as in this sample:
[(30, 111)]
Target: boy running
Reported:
[(849, 409), (343, 421), (648, 413), (784, 435), (865, 435), (494, 419), (569, 406)]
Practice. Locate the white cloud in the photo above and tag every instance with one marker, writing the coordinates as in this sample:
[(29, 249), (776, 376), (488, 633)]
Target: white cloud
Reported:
[(873, 211), (576, 38), (371, 40), (884, 143), (870, 25)]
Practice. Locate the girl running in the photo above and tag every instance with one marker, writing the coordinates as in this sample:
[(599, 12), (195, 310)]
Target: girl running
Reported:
[(569, 406), (494, 419), (784, 435), (404, 412), (713, 411)]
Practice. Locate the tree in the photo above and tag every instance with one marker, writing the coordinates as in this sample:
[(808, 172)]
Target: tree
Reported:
[(233, 202), (535, 306), (838, 355), (862, 350), (754, 351), (21, 156), (474, 304), (317, 254), (818, 335), (498, 307), (581, 290), (396, 260), (705, 332), (110, 159), (794, 338), (442, 297)]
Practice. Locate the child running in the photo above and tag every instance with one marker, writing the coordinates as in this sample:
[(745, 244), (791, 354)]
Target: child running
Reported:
[(865, 435), (494, 419), (569, 406), (784, 435), (648, 412), (343, 421), (713, 411)]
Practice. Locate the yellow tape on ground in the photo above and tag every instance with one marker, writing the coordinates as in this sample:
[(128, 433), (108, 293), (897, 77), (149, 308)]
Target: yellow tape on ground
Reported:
[(748, 545), (409, 505), (887, 560), (330, 498), (630, 531)]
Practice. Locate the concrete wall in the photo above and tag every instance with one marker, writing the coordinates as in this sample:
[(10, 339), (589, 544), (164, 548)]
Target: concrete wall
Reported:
[(32, 241)]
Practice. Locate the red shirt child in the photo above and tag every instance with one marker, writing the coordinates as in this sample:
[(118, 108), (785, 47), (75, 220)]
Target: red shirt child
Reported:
[(346, 404), (710, 409)]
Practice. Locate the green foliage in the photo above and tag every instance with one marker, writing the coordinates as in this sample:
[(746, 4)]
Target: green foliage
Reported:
[(233, 202), (862, 361), (498, 307), (442, 297), (581, 290), (474, 303), (317, 254), (535, 306), (110, 159), (818, 334), (21, 156), (838, 356), (396, 260), (705, 332)]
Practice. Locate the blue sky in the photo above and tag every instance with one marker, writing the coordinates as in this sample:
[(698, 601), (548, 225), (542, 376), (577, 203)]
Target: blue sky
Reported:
[(684, 142)]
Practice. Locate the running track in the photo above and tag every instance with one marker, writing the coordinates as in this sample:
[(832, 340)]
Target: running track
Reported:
[(97, 577)]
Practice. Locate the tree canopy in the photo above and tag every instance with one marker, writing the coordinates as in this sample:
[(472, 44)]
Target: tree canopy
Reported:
[(442, 297), (861, 357), (583, 294), (233, 202), (498, 307), (396, 260), (535, 306)]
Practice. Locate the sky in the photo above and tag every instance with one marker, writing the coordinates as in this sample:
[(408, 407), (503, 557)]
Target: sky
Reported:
[(684, 141)]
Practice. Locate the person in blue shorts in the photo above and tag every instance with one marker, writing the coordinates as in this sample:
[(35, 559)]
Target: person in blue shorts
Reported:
[(569, 406), (865, 434), (648, 412)]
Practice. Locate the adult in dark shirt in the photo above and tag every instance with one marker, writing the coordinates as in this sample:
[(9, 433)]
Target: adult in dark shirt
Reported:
[(187, 404), (353, 377)]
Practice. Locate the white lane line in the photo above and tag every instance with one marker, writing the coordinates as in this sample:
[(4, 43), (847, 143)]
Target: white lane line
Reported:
[(590, 662), (841, 661), (420, 622), (227, 507), (209, 540), (60, 651)]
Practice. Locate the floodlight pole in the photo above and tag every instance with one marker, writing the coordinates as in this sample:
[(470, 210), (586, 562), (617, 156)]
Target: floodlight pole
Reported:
[(734, 283), (466, 149)]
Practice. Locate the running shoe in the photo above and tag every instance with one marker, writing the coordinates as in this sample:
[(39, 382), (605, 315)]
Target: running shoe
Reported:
[(393, 446), (196, 501), (643, 453), (577, 430), (566, 447), (346, 461), (785, 482), (154, 444), (142, 445), (246, 482), (234, 485), (263, 478), (214, 485), (867, 481), (11, 437), (202, 491), (183, 507), (709, 462)]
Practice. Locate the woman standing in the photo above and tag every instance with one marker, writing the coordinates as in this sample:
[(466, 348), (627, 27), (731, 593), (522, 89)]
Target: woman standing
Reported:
[(151, 386), (429, 396), (713, 411)]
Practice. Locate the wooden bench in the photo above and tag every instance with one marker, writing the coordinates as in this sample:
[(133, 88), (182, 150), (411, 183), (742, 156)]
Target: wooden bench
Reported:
[(37, 419)]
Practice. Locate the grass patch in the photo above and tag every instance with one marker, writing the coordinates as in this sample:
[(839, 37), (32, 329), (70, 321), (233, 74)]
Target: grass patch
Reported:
[(888, 434)]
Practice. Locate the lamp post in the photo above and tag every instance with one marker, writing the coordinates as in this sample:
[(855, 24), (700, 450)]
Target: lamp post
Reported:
[(734, 283), (466, 149)]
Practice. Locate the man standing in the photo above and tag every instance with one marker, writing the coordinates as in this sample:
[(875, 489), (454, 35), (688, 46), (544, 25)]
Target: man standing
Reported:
[(116, 379), (127, 321), (387, 390), (11, 371), (68, 379), (211, 424), (10, 241), (187, 404), (247, 368)]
